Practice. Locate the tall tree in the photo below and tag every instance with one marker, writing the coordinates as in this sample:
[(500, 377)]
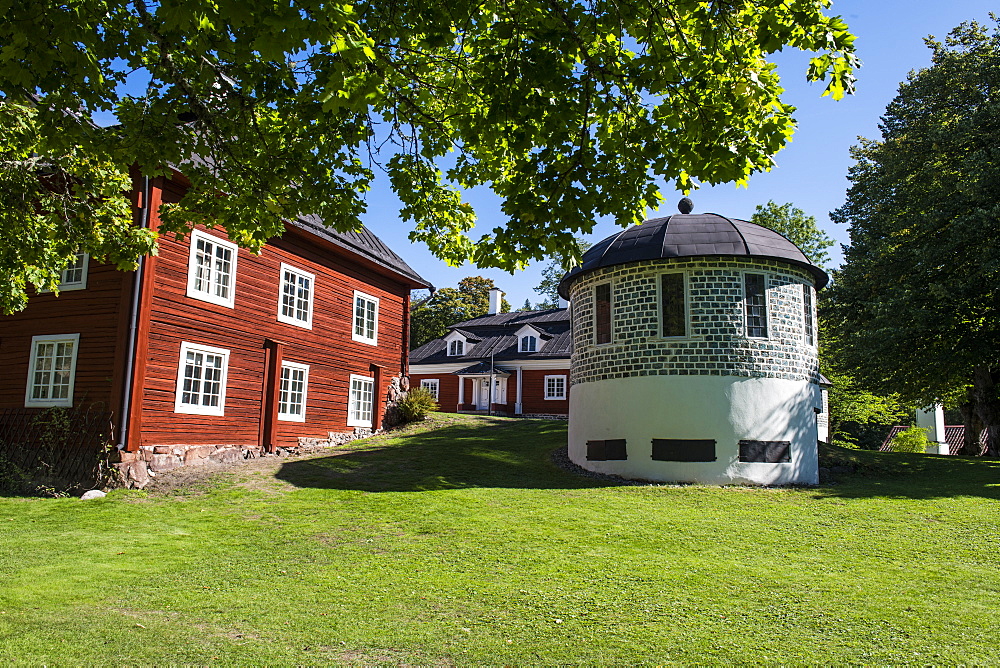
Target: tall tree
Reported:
[(431, 316), (798, 227), (569, 110), (556, 269), (918, 299)]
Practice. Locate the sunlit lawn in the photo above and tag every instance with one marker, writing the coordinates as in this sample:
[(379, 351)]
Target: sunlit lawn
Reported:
[(465, 545)]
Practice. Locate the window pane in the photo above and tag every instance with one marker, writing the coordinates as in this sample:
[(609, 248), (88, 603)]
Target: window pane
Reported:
[(756, 305), (807, 308), (602, 313), (672, 307)]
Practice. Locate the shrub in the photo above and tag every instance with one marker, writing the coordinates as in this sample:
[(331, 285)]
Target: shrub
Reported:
[(417, 403), (913, 439)]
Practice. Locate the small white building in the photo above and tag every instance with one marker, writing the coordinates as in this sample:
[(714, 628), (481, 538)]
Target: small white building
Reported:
[(694, 354)]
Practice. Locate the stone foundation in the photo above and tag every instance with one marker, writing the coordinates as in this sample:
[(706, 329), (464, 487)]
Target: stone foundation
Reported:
[(137, 469)]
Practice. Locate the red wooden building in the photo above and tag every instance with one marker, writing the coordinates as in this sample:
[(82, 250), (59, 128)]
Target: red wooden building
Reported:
[(526, 354), (210, 345)]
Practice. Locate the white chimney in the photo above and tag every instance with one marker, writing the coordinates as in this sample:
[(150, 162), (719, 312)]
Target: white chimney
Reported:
[(563, 303), (932, 419), (495, 297)]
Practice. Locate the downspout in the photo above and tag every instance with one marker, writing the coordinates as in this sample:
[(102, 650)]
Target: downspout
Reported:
[(133, 326)]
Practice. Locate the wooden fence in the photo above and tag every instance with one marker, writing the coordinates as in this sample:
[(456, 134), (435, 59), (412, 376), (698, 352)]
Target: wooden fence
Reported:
[(61, 446)]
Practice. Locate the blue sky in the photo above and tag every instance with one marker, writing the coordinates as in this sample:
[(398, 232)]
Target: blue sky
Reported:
[(811, 171)]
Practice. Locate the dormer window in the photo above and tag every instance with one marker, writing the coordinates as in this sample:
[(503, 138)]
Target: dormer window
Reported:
[(456, 347), (530, 339)]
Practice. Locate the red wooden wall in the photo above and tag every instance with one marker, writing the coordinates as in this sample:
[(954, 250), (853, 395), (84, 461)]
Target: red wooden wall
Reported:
[(98, 314), (533, 399), (327, 348)]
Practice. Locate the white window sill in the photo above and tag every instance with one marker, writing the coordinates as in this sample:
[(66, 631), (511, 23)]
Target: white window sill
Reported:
[(199, 410)]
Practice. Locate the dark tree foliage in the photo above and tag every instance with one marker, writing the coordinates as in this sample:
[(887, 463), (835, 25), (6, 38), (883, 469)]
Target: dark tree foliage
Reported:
[(796, 226), (917, 302)]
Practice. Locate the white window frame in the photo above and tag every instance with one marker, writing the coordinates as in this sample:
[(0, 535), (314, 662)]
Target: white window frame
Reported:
[(199, 409), (66, 401), (297, 274), (209, 295), (372, 340), (293, 366), (527, 339), (354, 417), (433, 385), (66, 285), (685, 281), (767, 304), (809, 319), (456, 347), (559, 397), (611, 312)]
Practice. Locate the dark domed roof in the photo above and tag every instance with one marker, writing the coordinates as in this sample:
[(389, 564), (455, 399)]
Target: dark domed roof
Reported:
[(691, 235)]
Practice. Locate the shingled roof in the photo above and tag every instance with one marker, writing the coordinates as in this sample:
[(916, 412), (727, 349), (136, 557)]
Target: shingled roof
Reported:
[(497, 337)]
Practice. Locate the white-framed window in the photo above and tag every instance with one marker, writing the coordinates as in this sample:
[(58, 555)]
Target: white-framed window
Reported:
[(74, 276), (365, 318), (555, 387), (602, 313), (755, 305), (361, 399), (212, 269), (529, 343), (807, 315), (432, 385), (201, 379), (295, 300), (456, 347), (51, 371), (292, 392), (673, 305)]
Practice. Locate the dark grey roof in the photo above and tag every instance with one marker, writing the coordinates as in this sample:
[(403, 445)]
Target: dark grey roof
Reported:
[(480, 368), (496, 335), (516, 318), (691, 235), (364, 243)]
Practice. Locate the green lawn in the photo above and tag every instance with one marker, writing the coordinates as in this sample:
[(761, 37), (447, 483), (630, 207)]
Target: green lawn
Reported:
[(465, 545)]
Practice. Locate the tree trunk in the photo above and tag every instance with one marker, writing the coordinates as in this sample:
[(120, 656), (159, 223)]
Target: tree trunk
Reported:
[(987, 405), (971, 447)]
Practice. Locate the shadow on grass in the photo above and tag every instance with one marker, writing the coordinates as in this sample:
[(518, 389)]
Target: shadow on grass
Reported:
[(509, 453), (913, 476)]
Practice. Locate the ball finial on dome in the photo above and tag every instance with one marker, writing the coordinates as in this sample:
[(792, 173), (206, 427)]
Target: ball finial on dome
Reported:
[(685, 206)]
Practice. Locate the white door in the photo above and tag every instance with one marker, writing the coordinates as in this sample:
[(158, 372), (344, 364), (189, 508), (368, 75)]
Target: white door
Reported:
[(483, 395)]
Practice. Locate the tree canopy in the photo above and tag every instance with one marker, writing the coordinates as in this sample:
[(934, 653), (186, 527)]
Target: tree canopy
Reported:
[(917, 301), (569, 110), (798, 227), (431, 316)]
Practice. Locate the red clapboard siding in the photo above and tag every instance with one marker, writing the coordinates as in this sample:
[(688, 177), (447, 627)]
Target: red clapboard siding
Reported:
[(97, 313), (327, 348), (533, 399)]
